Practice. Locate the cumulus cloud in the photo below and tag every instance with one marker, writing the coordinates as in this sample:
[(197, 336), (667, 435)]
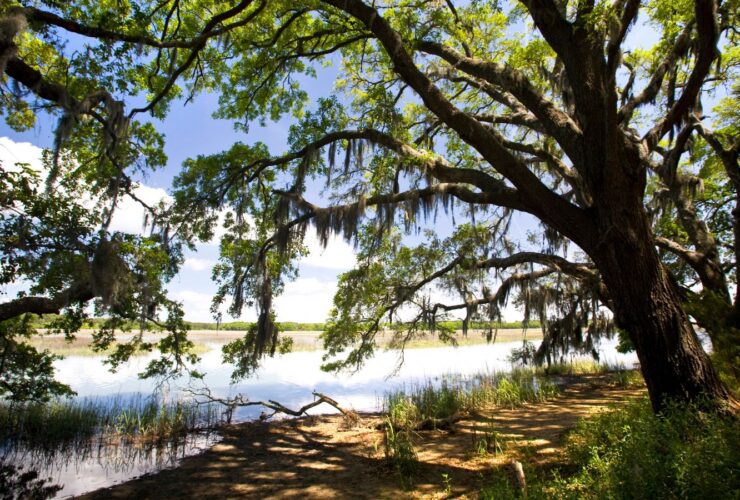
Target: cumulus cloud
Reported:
[(306, 300), (12, 152), (338, 254), (198, 264), (197, 305)]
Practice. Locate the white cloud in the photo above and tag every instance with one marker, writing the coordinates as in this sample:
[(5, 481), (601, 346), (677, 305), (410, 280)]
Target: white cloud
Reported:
[(197, 305), (338, 254), (197, 264), (306, 300), (12, 152)]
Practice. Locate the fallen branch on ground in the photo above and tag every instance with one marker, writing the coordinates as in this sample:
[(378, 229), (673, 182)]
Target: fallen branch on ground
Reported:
[(239, 400), (432, 424)]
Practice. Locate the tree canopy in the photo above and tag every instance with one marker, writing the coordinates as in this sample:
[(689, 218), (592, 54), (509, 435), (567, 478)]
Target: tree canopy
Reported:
[(477, 109)]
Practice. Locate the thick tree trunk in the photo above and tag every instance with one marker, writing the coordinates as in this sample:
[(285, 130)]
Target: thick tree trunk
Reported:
[(648, 306)]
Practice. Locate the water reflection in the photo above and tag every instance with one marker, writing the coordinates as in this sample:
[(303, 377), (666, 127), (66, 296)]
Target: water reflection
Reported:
[(19, 482), (75, 470), (289, 379)]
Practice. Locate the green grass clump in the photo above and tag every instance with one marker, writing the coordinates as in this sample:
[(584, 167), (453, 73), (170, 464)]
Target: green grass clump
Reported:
[(404, 410), (520, 386), (46, 426), (626, 378), (400, 452), (155, 422)]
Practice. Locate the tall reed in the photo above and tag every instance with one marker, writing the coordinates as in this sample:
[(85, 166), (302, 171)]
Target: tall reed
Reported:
[(74, 423), (459, 394)]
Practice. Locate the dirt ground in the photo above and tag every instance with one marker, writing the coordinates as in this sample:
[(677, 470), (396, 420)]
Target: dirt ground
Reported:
[(319, 457)]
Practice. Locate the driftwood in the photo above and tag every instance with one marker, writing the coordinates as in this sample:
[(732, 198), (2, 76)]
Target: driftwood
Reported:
[(431, 424), (444, 424), (239, 400)]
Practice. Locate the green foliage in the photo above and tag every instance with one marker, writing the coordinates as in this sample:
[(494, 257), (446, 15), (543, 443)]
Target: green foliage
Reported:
[(500, 487), (624, 344), (410, 138), (53, 235), (26, 374), (720, 319), (633, 453)]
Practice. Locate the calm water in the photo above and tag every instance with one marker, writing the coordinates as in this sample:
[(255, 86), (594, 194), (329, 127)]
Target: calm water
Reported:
[(288, 378)]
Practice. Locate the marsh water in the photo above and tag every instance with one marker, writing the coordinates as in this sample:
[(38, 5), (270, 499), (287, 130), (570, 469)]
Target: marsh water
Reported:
[(289, 379)]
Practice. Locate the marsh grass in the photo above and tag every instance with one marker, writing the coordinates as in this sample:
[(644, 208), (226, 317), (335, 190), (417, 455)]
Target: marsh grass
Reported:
[(626, 378), (405, 409), (580, 367), (488, 442), (77, 424), (457, 394), (83, 347)]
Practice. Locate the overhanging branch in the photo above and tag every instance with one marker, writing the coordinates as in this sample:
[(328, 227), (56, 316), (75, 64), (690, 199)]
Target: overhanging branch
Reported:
[(46, 305)]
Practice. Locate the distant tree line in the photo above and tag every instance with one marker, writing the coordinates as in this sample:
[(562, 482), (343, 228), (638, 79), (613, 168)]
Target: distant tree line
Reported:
[(48, 322)]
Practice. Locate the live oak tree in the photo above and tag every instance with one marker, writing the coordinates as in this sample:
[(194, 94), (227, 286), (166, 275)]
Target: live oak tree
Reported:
[(480, 109)]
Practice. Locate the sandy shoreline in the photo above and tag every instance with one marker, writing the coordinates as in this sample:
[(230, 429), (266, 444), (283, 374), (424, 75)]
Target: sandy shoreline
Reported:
[(323, 457)]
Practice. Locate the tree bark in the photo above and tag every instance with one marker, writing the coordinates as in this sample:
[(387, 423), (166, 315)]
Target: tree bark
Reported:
[(647, 304)]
